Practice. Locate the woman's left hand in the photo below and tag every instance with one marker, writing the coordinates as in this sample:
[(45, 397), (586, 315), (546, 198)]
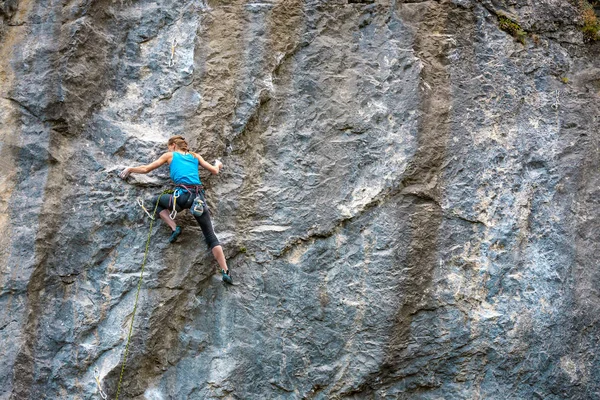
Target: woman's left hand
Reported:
[(219, 164)]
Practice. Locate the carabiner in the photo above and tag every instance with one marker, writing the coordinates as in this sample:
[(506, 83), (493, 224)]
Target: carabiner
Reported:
[(97, 377), (176, 194), (141, 204)]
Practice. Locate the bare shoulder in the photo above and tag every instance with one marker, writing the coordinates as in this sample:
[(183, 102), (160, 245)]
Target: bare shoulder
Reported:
[(167, 157), (196, 155)]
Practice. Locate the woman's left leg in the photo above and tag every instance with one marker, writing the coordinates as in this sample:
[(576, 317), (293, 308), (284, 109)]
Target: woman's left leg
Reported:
[(213, 243), (220, 257)]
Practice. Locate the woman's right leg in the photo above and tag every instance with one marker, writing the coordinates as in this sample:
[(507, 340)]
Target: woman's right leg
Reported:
[(165, 215), (163, 208), (164, 212)]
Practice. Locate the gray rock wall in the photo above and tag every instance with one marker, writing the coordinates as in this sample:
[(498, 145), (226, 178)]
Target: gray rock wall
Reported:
[(409, 205)]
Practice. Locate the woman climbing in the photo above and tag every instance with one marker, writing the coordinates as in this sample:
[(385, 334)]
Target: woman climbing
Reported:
[(189, 193)]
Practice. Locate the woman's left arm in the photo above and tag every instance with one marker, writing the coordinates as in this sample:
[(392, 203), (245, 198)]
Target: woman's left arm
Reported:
[(214, 169)]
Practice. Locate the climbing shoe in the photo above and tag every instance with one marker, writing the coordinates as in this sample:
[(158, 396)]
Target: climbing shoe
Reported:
[(175, 233), (226, 277)]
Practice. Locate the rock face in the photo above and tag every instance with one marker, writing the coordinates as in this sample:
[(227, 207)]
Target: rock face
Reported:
[(410, 205)]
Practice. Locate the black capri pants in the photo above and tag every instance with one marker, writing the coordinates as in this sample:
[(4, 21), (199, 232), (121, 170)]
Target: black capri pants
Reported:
[(184, 201)]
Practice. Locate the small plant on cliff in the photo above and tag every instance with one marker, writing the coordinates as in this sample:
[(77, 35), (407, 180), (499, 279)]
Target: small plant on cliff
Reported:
[(591, 25), (512, 28)]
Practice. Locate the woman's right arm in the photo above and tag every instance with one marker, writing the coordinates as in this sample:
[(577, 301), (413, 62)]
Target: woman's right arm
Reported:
[(144, 169)]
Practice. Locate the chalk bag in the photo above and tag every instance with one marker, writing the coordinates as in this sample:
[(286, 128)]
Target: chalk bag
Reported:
[(197, 208)]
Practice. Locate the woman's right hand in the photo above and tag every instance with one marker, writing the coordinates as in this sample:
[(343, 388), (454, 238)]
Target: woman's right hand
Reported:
[(125, 173), (219, 164)]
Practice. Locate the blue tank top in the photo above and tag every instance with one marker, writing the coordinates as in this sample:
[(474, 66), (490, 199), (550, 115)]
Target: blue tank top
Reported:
[(184, 169)]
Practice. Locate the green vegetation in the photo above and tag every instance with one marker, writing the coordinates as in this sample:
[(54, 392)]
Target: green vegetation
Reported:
[(564, 80), (243, 250), (512, 28), (591, 25)]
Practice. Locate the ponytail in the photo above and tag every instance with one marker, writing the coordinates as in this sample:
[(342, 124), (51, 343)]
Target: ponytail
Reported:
[(179, 142)]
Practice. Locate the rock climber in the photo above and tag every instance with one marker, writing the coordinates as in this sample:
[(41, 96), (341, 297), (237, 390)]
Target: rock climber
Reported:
[(188, 193)]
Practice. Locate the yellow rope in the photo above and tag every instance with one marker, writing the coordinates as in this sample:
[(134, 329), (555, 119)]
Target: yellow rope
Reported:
[(137, 295)]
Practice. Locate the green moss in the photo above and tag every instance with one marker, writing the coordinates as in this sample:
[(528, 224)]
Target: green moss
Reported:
[(243, 250), (564, 80), (591, 25), (512, 28)]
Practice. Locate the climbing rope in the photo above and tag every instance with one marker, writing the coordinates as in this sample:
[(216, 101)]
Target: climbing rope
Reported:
[(137, 295)]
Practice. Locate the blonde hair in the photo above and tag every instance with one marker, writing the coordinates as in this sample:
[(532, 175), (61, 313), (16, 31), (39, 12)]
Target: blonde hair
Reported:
[(179, 142)]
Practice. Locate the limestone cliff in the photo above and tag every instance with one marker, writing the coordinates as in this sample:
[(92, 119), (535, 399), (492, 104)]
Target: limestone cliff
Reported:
[(410, 204)]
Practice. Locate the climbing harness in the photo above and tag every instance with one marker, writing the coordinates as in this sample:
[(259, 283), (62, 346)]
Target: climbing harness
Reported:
[(97, 377), (137, 295), (196, 206)]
